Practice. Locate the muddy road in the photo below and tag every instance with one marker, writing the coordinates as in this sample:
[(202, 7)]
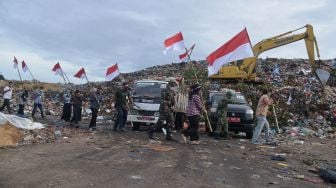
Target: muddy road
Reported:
[(110, 159)]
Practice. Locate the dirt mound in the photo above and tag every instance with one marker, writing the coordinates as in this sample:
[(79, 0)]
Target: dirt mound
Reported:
[(9, 135)]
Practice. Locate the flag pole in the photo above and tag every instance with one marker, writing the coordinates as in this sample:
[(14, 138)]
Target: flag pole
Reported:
[(31, 74), (19, 73), (66, 76), (63, 77), (87, 78), (206, 113)]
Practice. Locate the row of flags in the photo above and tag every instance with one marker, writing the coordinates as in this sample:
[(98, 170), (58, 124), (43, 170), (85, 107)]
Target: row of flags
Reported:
[(237, 48), (23, 63), (111, 72)]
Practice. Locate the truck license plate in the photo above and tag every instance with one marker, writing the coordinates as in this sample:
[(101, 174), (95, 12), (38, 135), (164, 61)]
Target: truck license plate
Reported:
[(234, 119)]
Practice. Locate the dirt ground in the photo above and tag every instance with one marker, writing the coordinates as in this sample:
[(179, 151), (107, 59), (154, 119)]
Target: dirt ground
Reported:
[(111, 159)]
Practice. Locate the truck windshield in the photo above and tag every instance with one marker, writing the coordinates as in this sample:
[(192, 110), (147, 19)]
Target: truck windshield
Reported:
[(237, 98), (148, 89)]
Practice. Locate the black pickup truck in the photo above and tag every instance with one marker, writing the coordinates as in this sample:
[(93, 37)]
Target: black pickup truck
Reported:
[(240, 114)]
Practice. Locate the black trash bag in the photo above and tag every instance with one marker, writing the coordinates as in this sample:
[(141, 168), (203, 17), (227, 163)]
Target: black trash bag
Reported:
[(328, 174)]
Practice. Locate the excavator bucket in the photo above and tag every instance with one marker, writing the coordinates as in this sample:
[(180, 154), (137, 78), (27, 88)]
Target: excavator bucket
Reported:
[(323, 76)]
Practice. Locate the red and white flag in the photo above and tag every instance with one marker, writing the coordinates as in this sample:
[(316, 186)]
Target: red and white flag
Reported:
[(57, 69), (112, 72), (174, 43), (239, 47), (80, 74), (15, 61), (185, 54), (24, 66)]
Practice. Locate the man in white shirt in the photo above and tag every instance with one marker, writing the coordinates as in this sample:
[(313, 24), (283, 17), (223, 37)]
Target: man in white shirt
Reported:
[(7, 95)]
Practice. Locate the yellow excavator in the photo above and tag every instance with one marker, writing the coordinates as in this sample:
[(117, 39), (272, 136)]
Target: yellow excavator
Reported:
[(245, 70)]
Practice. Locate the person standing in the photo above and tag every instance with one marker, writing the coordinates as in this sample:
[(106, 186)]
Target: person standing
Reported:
[(122, 98), (77, 104), (261, 114), (166, 112), (194, 109), (7, 96), (66, 115), (23, 98), (95, 100), (38, 101), (222, 128)]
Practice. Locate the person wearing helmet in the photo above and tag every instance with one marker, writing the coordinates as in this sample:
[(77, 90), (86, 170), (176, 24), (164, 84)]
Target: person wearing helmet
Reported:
[(222, 127), (166, 112)]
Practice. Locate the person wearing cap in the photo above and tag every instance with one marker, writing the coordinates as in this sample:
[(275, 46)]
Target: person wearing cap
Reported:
[(262, 110), (194, 109), (38, 101), (222, 127), (7, 96), (166, 112), (77, 104), (122, 98)]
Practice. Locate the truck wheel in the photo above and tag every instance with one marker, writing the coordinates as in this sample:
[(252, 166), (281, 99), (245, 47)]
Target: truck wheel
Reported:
[(136, 126), (249, 135)]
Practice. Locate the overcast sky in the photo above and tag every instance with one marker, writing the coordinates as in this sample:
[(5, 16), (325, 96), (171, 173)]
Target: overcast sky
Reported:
[(95, 34)]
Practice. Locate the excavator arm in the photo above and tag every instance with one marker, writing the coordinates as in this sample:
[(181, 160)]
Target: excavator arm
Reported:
[(247, 68)]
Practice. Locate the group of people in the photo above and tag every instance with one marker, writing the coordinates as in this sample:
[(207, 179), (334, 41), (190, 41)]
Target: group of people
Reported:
[(73, 104), (195, 108), (37, 97)]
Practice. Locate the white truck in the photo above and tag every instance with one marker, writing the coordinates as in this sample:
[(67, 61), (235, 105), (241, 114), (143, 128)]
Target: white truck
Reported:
[(146, 97)]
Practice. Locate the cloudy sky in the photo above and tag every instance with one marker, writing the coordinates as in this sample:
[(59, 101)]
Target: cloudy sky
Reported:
[(98, 33)]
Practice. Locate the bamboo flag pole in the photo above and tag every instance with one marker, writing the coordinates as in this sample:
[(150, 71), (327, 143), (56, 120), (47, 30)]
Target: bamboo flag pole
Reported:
[(206, 113), (19, 73), (16, 66), (87, 79), (66, 77), (63, 77), (31, 74)]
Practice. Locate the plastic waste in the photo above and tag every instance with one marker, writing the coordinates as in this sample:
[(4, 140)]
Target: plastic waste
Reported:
[(328, 174)]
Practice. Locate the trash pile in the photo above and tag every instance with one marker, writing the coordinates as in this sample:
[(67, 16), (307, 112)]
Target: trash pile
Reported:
[(300, 100)]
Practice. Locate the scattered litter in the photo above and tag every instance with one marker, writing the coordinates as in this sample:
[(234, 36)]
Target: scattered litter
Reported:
[(136, 177), (283, 164), (278, 158), (255, 176), (328, 173), (283, 177), (234, 167), (299, 176), (298, 142)]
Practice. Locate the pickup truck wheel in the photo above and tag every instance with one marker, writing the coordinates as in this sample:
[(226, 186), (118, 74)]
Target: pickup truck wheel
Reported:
[(136, 126), (249, 135)]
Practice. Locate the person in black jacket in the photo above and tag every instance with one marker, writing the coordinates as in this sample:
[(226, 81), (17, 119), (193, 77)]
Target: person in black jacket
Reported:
[(66, 115), (23, 98), (95, 100), (77, 103)]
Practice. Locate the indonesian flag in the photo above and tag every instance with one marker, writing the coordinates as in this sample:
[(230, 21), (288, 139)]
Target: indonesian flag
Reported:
[(57, 69), (174, 43), (24, 66), (80, 74), (112, 72), (239, 47), (15, 61), (185, 54)]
